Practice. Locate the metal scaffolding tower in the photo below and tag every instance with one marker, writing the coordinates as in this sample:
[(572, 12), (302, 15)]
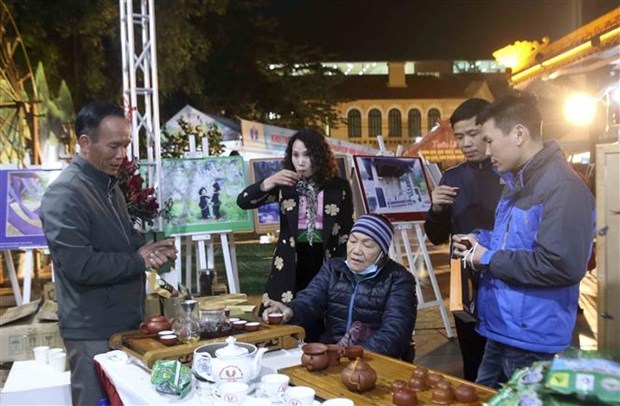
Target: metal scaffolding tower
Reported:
[(140, 86)]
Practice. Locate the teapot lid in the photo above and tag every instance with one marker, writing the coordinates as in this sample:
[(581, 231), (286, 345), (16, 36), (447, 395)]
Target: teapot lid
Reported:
[(231, 350)]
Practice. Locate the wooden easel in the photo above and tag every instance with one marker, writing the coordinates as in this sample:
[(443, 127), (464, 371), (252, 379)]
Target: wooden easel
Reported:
[(22, 296), (396, 254), (402, 235), (205, 256)]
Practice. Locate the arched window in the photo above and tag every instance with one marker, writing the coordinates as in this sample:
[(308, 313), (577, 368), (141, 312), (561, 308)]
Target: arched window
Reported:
[(374, 123), (433, 116), (395, 127), (354, 123), (414, 118)]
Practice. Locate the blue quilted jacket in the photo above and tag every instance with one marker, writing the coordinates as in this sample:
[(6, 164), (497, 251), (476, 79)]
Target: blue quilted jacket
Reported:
[(538, 253), (386, 301)]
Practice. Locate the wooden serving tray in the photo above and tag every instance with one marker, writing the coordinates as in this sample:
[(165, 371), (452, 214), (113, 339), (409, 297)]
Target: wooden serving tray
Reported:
[(328, 383), (149, 349)]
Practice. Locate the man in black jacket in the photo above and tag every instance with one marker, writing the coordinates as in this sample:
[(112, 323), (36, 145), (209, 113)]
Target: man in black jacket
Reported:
[(367, 295), (99, 258), (465, 200)]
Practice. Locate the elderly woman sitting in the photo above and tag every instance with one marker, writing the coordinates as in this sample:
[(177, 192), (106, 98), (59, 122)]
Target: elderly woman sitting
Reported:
[(367, 299)]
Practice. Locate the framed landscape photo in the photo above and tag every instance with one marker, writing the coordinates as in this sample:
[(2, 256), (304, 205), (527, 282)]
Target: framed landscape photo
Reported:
[(266, 217), (20, 203), (393, 186), (203, 192)]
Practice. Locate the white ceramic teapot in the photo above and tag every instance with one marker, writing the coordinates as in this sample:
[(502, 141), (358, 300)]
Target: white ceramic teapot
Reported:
[(228, 362)]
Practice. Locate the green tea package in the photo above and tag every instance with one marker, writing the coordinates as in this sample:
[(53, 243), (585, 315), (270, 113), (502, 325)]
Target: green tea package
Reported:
[(585, 375), (171, 377)]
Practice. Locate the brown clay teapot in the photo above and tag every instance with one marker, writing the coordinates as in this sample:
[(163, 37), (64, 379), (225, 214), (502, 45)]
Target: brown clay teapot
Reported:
[(315, 356), (155, 324), (359, 376)]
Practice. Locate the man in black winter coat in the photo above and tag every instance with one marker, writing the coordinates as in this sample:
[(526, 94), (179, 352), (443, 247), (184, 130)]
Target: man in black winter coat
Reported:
[(366, 299)]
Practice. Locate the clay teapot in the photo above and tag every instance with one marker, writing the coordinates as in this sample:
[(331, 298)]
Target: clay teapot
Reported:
[(359, 376), (155, 324), (315, 356)]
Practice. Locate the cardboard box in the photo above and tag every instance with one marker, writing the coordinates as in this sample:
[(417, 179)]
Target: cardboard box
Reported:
[(49, 291), (20, 332)]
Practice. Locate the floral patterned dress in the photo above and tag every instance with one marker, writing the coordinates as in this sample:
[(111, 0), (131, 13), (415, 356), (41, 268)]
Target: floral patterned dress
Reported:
[(337, 222)]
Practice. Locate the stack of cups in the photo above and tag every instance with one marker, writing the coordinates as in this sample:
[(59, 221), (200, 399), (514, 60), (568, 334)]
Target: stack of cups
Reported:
[(56, 358)]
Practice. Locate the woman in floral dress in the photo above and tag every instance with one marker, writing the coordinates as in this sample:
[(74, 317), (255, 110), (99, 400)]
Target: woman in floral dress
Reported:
[(316, 213)]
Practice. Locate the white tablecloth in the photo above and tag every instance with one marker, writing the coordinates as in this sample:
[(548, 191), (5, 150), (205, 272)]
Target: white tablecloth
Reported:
[(30, 383), (132, 382)]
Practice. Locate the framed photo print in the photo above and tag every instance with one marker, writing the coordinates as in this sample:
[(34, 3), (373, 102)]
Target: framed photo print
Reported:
[(266, 217), (393, 186), (20, 203), (203, 192)]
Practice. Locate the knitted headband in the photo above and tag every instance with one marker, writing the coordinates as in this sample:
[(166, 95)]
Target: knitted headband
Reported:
[(377, 228)]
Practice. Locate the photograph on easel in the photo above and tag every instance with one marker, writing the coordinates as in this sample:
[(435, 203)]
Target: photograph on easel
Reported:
[(393, 186), (267, 217), (203, 192), (20, 202)]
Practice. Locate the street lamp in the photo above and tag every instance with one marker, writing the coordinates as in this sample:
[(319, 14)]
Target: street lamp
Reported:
[(580, 109)]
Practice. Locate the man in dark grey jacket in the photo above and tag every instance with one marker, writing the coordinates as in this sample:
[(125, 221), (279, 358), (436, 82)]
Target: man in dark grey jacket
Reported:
[(368, 292), (99, 259)]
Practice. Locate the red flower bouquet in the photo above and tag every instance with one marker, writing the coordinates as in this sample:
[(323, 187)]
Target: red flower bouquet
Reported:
[(141, 202)]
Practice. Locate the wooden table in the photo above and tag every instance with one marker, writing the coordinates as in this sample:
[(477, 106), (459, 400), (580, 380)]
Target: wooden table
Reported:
[(149, 349), (328, 383)]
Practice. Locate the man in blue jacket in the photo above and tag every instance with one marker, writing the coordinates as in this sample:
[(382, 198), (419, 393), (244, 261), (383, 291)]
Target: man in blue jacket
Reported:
[(532, 261), (464, 201)]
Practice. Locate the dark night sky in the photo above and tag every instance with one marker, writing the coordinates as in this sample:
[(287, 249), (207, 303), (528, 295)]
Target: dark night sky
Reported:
[(362, 30)]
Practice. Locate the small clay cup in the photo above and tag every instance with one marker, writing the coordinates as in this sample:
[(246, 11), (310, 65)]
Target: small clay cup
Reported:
[(420, 372), (442, 396), (275, 318), (353, 352), (433, 379), (466, 394), (334, 352), (315, 356), (239, 325), (398, 384), (252, 326), (169, 339), (417, 384), (404, 397)]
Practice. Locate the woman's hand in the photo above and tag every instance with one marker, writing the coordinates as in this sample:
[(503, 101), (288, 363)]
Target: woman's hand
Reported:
[(284, 177), (271, 306)]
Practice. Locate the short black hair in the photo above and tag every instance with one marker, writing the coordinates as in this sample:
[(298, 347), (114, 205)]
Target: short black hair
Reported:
[(91, 115), (513, 109), (469, 109)]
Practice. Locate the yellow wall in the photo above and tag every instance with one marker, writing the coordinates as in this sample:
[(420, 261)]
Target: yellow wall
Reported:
[(445, 107)]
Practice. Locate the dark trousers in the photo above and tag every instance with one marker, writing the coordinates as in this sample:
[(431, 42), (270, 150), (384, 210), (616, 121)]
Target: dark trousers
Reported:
[(85, 386), (309, 262), (472, 347), (500, 361)]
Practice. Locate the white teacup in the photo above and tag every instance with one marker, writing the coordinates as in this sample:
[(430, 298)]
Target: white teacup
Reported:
[(232, 393), (40, 354), (53, 351), (58, 361), (338, 402), (272, 385), (298, 396)]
